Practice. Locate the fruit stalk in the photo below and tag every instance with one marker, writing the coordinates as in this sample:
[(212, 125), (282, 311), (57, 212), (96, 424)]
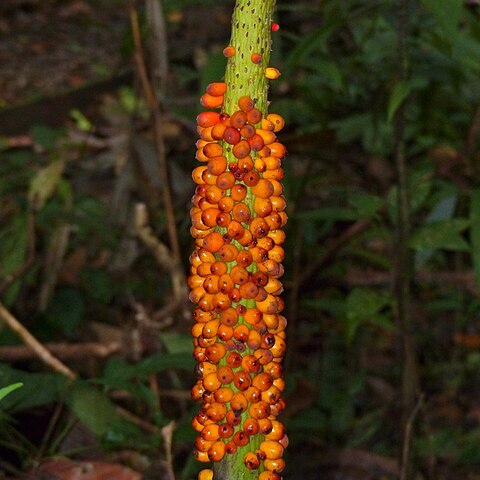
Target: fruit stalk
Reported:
[(237, 220)]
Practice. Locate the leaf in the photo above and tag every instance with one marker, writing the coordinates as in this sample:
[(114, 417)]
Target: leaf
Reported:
[(447, 14), (45, 136), (475, 232), (443, 210), (9, 388), (400, 92), (366, 204), (83, 123), (44, 183), (38, 388), (363, 306), (92, 408), (444, 234)]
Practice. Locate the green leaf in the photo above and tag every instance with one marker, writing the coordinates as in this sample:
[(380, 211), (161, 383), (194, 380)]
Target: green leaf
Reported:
[(92, 408), (38, 388), (443, 210), (44, 183), (447, 14), (400, 92), (365, 204), (45, 136), (363, 306), (444, 234), (83, 123), (475, 232), (4, 391)]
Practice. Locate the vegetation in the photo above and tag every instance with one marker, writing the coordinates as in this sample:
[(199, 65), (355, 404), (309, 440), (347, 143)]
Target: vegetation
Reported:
[(381, 103)]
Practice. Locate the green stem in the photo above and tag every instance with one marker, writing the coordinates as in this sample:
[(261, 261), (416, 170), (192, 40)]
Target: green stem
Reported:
[(251, 33)]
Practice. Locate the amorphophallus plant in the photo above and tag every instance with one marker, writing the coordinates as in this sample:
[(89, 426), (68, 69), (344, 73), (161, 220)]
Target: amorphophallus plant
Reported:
[(237, 217)]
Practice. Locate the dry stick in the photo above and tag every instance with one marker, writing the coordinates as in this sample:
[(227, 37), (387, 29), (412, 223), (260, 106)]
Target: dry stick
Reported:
[(34, 344), (178, 278), (408, 438), (62, 351), (403, 266), (351, 232)]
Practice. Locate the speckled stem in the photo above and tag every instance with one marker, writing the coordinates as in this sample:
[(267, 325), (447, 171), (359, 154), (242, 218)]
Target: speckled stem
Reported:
[(251, 33)]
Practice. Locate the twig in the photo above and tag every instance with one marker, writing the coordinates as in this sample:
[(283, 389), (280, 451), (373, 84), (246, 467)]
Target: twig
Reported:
[(407, 440), (345, 237), (403, 269), (34, 344), (167, 435), (178, 278), (62, 351)]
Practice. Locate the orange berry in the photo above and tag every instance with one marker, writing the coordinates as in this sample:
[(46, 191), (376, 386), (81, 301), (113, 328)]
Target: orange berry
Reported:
[(217, 131), (250, 426), (241, 213), (277, 121), (248, 290), (263, 189), (250, 363), (225, 204), (275, 466), (217, 165), (245, 103), (205, 474), (272, 73), (251, 461), (230, 447), (259, 410), (258, 227), (266, 125), (262, 206), (201, 456), (216, 88), (234, 359), (227, 252), (239, 274), (235, 230), (245, 165), (251, 179), (209, 101), (225, 374), (272, 163), (231, 135), (256, 142), (229, 51), (209, 329), (225, 180), (239, 403), (225, 430), (229, 317), (216, 412), (240, 333), (254, 116), (256, 58), (197, 174), (210, 432), (277, 149), (268, 475), (224, 332), (252, 394), (238, 119), (238, 192), (212, 149), (254, 340), (244, 259), (272, 449), (240, 438), (223, 395), (214, 353), (263, 381), (252, 315), (213, 242), (242, 148), (225, 283), (242, 380), (267, 136), (208, 119), (247, 131)]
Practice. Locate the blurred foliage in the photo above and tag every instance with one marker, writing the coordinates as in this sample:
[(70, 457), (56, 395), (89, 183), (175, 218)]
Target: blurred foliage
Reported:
[(339, 92)]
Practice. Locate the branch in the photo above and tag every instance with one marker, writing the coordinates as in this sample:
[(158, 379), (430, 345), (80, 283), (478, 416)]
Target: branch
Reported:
[(40, 350)]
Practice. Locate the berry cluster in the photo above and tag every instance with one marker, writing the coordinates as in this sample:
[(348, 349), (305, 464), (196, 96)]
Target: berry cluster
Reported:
[(239, 333)]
